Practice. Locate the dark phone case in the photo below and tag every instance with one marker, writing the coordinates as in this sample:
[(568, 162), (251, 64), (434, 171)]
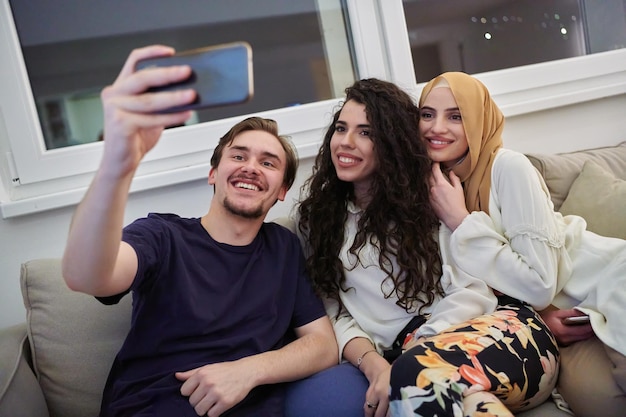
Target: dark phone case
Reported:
[(221, 75)]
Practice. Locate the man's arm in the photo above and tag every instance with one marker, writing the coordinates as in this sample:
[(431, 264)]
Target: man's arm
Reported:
[(96, 261), (315, 349), (218, 387)]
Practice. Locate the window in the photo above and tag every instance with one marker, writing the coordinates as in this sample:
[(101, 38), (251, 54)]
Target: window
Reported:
[(486, 35), (68, 63)]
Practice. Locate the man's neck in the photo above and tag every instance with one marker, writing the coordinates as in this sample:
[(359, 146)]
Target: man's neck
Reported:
[(231, 229)]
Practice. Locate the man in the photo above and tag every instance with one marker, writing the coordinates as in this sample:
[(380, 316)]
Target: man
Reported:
[(214, 298)]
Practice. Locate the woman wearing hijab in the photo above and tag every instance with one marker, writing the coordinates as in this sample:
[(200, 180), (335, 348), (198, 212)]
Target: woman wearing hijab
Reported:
[(505, 231)]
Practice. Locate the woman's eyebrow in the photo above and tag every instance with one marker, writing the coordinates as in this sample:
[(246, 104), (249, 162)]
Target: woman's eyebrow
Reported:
[(445, 110), (361, 126)]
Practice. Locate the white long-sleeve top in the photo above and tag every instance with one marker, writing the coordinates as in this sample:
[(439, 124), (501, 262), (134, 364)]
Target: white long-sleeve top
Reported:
[(525, 249), (369, 314)]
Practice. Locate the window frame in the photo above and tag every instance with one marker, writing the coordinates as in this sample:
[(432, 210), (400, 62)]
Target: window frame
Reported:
[(36, 179)]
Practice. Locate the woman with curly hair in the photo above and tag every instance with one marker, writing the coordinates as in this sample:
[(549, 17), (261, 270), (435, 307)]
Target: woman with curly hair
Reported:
[(371, 237)]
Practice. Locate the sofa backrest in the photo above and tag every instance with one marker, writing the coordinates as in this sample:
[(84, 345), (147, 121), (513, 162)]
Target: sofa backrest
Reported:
[(560, 170), (73, 339)]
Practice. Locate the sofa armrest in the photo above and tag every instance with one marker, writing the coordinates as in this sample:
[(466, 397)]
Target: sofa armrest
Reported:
[(20, 394)]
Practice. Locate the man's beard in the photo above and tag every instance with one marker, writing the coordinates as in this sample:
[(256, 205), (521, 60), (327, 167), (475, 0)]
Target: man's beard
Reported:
[(253, 213)]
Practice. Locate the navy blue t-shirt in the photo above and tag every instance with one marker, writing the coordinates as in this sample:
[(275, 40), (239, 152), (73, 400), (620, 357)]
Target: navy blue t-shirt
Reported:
[(196, 302)]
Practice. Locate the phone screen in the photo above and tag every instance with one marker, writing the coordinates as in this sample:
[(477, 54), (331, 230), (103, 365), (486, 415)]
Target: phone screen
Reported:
[(221, 75)]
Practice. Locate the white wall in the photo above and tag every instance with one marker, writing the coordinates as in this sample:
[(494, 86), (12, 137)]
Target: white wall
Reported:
[(585, 125)]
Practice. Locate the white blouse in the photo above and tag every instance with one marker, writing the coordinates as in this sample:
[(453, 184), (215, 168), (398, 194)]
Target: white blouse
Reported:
[(525, 249), (371, 315)]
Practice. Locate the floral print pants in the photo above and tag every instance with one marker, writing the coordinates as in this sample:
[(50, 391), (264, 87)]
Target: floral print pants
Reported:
[(492, 365)]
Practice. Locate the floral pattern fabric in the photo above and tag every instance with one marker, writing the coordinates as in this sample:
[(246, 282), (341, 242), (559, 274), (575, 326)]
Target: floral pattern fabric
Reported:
[(492, 365)]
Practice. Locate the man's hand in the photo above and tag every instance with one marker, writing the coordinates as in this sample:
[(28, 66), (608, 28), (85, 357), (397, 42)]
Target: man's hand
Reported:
[(213, 389), (131, 128), (447, 197), (566, 334)]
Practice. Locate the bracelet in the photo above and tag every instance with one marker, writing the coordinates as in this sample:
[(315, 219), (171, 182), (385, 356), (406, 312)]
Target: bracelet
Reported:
[(360, 360)]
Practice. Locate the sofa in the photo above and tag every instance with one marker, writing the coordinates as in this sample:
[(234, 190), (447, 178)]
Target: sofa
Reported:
[(55, 363)]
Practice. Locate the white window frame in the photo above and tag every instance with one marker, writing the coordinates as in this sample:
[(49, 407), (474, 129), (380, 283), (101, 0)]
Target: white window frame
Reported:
[(41, 179)]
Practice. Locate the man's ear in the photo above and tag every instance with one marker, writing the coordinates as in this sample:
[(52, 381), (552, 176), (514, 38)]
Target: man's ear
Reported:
[(283, 192), (212, 176)]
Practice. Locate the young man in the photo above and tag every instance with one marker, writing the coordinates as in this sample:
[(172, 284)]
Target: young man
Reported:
[(214, 298)]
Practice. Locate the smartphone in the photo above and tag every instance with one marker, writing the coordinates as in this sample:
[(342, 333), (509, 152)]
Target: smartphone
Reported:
[(221, 75), (576, 320)]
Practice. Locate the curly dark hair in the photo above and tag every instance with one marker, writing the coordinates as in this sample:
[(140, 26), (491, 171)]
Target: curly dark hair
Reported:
[(398, 219)]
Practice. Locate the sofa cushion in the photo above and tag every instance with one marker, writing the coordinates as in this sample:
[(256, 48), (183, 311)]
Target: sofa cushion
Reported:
[(593, 391), (73, 339), (600, 198), (560, 170), (20, 394)]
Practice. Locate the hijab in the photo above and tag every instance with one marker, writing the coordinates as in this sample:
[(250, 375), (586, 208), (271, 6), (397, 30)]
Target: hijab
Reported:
[(483, 123)]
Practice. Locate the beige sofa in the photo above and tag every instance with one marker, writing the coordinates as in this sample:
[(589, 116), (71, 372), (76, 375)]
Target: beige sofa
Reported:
[(55, 364)]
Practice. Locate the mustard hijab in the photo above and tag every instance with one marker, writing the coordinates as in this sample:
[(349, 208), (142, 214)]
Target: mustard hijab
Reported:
[(483, 123)]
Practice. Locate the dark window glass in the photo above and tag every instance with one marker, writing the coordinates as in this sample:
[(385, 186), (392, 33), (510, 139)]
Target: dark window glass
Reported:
[(82, 45), (477, 36)]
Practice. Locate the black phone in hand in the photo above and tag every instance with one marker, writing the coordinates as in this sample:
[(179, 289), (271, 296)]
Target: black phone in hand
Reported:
[(221, 75)]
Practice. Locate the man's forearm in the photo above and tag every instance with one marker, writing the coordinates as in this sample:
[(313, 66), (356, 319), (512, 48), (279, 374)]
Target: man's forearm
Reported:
[(314, 350), (95, 234), (299, 359)]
